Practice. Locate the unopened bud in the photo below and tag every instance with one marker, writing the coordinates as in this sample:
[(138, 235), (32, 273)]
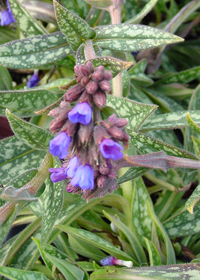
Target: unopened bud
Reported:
[(116, 132), (54, 112), (85, 132), (91, 87), (85, 71), (99, 68), (73, 93), (97, 76), (77, 69), (85, 97), (107, 75), (99, 98), (69, 127), (112, 174), (79, 78), (101, 180), (90, 65), (104, 170), (85, 81), (56, 125), (105, 85)]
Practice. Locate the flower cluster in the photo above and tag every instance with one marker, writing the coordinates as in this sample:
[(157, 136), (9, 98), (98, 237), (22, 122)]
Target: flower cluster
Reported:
[(6, 15), (88, 145)]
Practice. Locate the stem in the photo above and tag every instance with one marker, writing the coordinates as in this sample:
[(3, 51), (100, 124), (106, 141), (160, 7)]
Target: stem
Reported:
[(161, 183), (89, 50)]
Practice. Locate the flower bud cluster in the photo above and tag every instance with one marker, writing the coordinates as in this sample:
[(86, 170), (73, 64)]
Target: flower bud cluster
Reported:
[(88, 145)]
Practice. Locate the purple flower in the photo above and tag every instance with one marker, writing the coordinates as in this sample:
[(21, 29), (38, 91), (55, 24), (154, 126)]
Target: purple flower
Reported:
[(72, 167), (34, 80), (84, 177), (58, 146), (110, 260), (57, 174), (81, 113), (111, 149), (7, 16)]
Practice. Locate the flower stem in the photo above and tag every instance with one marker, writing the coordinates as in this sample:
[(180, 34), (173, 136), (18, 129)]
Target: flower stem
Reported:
[(89, 50)]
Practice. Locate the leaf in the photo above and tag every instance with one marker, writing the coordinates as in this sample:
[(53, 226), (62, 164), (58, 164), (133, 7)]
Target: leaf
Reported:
[(135, 112), (136, 247), (5, 79), (69, 271), (17, 158), (193, 199), (24, 103), (17, 274), (170, 120), (184, 223), (193, 125), (146, 144), (154, 256), (96, 241), (80, 55), (132, 173), (34, 52), (5, 227), (100, 4), (111, 63), (183, 77), (128, 37), (52, 202), (17, 196), (167, 272), (147, 8), (125, 83), (27, 24), (34, 136), (75, 29)]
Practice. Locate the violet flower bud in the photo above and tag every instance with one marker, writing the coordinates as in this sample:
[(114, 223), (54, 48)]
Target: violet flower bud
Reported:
[(105, 85), (116, 132), (107, 75), (72, 167), (81, 113), (58, 146), (85, 132), (111, 149), (84, 177), (99, 134), (57, 174), (99, 98), (97, 76), (34, 80), (110, 260), (85, 71), (7, 15), (74, 92), (91, 87)]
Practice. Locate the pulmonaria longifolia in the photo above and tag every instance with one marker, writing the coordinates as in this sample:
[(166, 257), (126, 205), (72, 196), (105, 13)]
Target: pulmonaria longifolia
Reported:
[(88, 145)]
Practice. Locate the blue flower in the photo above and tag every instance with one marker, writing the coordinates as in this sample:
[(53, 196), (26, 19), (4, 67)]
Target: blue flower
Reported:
[(72, 167), (81, 113), (111, 149), (7, 16), (58, 146), (57, 174), (84, 177), (33, 81)]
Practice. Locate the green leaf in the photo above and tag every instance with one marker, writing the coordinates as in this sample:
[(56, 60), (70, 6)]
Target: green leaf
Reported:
[(100, 4), (125, 83), (5, 79), (183, 224), (80, 55), (78, 7), (135, 112), (154, 256), (136, 247), (146, 144), (193, 199), (17, 158), (5, 227), (34, 136), (69, 271), (34, 52), (128, 37), (172, 272), (170, 120), (75, 29), (111, 63), (25, 103), (52, 202), (132, 173), (17, 274), (27, 24), (96, 241), (147, 8), (192, 124)]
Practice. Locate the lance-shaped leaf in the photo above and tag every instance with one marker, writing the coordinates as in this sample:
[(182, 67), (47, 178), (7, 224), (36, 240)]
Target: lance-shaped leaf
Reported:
[(154, 256), (128, 37), (135, 112), (25, 103), (100, 4), (27, 24), (111, 63), (5, 227), (32, 135), (18, 274), (5, 79), (192, 124), (193, 199), (75, 29), (34, 52), (170, 120)]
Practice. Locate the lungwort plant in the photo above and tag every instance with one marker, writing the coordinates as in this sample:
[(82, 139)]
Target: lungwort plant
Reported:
[(102, 169)]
